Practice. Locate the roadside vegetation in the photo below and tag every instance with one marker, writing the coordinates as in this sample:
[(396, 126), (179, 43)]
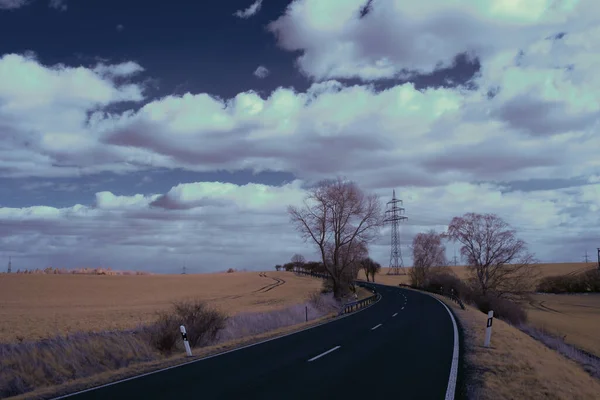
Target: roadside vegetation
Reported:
[(585, 282), (501, 276), (26, 366)]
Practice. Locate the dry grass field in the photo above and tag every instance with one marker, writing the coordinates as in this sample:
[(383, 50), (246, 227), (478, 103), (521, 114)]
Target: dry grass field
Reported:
[(517, 366), (39, 306), (577, 317)]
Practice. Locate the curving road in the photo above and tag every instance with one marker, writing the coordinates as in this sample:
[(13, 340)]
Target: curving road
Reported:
[(403, 346)]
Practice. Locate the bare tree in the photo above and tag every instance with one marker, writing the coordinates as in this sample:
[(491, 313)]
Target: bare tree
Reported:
[(429, 257), (298, 260), (370, 267), (341, 220), (497, 261)]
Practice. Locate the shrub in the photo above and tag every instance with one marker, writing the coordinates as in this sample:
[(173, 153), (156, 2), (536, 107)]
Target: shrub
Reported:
[(202, 323), (504, 309), (588, 281), (164, 334)]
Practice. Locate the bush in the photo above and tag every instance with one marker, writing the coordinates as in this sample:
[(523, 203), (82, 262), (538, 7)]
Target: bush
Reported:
[(505, 310), (164, 334), (202, 325), (201, 322), (588, 281)]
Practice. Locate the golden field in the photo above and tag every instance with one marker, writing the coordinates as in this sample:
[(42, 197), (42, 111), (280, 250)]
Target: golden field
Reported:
[(576, 317), (39, 306)]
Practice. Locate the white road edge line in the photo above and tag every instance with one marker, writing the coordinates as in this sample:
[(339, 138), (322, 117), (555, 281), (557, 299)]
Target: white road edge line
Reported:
[(454, 367), (218, 354), (323, 354), (394, 315), (375, 327), (402, 308)]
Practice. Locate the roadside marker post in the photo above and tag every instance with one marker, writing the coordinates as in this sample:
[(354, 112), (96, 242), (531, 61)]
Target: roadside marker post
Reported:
[(488, 329), (185, 341)]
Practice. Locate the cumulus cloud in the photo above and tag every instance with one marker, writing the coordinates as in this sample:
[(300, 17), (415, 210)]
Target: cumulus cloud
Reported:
[(250, 11), (397, 38), (47, 117), (261, 72)]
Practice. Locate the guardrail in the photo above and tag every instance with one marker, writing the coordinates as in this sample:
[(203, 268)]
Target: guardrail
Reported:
[(353, 305), (450, 295), (358, 304)]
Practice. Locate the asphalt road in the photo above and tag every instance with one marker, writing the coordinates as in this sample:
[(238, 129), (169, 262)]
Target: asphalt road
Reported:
[(401, 347)]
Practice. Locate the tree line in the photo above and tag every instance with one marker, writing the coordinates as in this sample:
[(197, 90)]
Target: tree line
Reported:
[(299, 264), (341, 220)]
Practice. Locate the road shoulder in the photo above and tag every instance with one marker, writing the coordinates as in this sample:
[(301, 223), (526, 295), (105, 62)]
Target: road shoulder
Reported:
[(516, 366)]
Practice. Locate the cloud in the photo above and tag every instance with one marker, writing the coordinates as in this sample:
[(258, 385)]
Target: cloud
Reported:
[(261, 72), (531, 113), (12, 4), (397, 38), (125, 69), (60, 139), (250, 11), (58, 5), (120, 27), (223, 225)]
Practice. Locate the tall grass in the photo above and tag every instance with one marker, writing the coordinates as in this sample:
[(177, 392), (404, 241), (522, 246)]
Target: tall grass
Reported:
[(27, 366), (255, 323)]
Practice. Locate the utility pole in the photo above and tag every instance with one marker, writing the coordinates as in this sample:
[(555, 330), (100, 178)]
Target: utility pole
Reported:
[(394, 215), (586, 258), (10, 266)]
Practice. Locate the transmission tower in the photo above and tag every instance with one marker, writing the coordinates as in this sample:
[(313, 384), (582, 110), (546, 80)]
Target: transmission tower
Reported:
[(455, 260), (394, 215), (585, 257), (9, 265)]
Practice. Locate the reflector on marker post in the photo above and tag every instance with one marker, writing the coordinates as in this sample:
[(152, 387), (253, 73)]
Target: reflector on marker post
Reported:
[(488, 329), (185, 341)]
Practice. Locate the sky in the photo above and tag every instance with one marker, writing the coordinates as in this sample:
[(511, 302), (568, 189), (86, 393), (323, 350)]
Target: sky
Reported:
[(147, 136)]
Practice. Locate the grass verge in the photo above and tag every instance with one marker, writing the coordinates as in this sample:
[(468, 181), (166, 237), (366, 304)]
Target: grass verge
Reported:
[(516, 366)]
